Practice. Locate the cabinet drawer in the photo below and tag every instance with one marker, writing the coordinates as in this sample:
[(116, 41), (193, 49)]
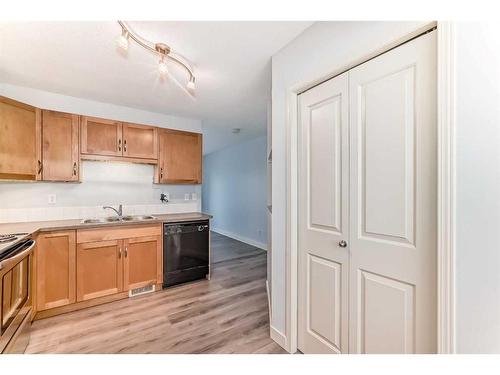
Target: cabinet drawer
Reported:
[(117, 233)]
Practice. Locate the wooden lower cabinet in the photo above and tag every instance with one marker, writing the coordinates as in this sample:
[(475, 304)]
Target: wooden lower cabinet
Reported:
[(118, 259), (142, 264), (99, 270), (55, 270), (87, 267)]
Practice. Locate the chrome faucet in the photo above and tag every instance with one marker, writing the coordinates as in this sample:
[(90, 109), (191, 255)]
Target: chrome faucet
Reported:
[(119, 212)]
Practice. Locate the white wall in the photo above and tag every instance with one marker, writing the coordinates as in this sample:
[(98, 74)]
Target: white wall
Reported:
[(103, 183), (234, 191), (323, 48), (478, 187)]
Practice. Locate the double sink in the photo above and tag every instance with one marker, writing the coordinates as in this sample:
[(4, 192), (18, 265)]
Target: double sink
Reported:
[(117, 219)]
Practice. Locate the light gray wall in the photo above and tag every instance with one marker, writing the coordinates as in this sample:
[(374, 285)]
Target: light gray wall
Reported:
[(234, 190), (102, 182), (323, 48), (478, 187)]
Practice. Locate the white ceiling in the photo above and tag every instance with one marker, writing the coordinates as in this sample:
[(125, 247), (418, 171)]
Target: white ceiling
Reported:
[(231, 61)]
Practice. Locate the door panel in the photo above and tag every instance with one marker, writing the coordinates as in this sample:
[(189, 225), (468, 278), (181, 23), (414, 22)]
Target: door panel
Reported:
[(387, 158), (60, 143), (323, 218), (142, 262), (180, 158), (55, 269), (393, 201), (99, 269), (140, 141), (323, 315), (101, 136), (390, 329), (20, 141)]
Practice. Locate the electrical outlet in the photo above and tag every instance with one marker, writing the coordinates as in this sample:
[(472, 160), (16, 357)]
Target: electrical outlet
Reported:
[(194, 196), (186, 197), (51, 199)]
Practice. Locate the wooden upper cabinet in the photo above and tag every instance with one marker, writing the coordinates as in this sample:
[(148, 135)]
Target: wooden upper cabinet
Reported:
[(142, 262), (99, 270), (180, 157), (101, 137), (20, 141), (55, 269), (60, 146), (140, 141)]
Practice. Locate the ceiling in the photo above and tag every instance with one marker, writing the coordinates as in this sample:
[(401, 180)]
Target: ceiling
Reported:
[(231, 62)]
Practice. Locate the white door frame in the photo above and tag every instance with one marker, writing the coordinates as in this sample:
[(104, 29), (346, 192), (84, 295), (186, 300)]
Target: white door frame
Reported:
[(446, 187)]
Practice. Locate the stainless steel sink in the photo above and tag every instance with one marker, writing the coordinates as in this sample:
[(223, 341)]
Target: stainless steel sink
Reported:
[(116, 219), (144, 217), (112, 219), (138, 218), (92, 221)]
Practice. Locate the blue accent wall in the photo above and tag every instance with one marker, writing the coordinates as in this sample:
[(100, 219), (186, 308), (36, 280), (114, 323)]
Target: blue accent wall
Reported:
[(234, 190)]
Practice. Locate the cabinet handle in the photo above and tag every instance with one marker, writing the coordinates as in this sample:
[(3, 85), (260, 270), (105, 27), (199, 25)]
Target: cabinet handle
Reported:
[(74, 168), (125, 145), (119, 253), (119, 145), (161, 173), (40, 166), (126, 251)]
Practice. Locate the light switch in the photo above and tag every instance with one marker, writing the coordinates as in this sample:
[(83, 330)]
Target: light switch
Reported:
[(194, 196), (186, 197), (51, 199)]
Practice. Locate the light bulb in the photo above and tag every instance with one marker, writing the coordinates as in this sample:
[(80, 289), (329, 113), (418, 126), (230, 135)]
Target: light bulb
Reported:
[(122, 40), (162, 67), (190, 85)]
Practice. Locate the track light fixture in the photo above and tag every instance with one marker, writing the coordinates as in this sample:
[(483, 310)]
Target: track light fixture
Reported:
[(163, 51)]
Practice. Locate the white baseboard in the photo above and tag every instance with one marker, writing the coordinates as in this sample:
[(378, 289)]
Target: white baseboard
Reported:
[(278, 337), (237, 237)]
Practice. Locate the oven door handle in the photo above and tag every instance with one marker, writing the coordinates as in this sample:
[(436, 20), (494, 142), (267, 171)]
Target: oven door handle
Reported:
[(10, 262)]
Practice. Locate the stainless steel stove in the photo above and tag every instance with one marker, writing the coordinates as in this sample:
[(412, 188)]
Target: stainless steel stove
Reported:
[(10, 237)]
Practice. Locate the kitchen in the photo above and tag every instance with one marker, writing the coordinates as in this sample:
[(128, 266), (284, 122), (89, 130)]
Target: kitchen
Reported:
[(262, 187), (101, 208), (85, 262)]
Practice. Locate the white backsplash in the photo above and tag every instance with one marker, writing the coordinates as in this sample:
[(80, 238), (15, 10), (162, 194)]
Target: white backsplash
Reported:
[(103, 183)]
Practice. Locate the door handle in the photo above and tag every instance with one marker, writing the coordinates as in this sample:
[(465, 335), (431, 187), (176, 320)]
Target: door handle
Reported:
[(343, 243), (126, 251), (119, 253), (125, 145), (74, 168), (39, 167), (119, 145)]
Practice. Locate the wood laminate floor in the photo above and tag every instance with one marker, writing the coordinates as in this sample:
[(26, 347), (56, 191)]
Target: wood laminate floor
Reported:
[(228, 314)]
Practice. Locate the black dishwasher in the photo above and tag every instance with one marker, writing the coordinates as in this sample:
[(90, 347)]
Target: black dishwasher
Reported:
[(185, 252)]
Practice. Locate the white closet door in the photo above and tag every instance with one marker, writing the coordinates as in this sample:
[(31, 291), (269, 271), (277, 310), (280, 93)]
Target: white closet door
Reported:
[(323, 218), (393, 201)]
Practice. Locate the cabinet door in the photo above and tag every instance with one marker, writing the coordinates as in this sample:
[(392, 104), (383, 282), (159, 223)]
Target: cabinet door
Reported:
[(60, 141), (55, 269), (99, 269), (142, 262), (101, 137), (20, 139), (180, 157), (140, 141)]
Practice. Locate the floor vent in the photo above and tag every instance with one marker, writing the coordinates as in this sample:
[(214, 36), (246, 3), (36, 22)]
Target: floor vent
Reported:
[(140, 291)]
